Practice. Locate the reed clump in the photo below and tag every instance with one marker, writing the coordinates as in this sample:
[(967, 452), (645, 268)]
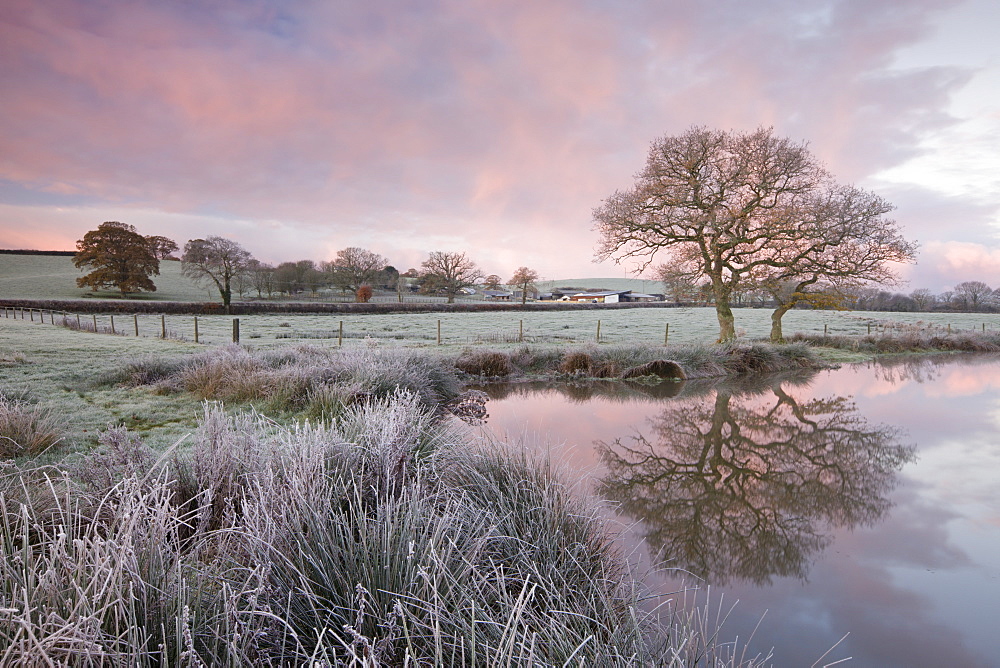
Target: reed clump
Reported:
[(386, 537), (489, 363)]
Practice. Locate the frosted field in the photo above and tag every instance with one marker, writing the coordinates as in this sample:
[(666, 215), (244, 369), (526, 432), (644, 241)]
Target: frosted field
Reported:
[(640, 325)]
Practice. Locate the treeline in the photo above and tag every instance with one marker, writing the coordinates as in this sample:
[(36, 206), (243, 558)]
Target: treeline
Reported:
[(22, 251), (966, 297)]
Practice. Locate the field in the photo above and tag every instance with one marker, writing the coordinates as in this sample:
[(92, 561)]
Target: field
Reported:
[(54, 277), (641, 325)]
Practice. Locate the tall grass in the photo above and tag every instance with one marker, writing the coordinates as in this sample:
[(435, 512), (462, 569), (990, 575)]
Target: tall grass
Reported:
[(27, 429), (304, 378), (387, 538)]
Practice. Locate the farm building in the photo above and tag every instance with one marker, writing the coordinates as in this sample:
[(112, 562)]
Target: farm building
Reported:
[(612, 297)]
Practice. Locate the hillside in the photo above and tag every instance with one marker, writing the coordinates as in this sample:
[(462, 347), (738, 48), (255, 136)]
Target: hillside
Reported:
[(41, 276), (54, 277), (633, 284)]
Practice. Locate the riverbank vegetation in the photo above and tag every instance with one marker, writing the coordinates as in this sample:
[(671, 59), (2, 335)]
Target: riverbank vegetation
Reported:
[(398, 540)]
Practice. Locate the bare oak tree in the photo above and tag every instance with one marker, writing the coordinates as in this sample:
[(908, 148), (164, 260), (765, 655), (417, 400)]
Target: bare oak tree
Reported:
[(972, 295), (450, 273), (746, 207), (215, 260), (524, 279), (354, 267)]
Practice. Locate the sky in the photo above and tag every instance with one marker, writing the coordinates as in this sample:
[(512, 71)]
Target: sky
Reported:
[(298, 128)]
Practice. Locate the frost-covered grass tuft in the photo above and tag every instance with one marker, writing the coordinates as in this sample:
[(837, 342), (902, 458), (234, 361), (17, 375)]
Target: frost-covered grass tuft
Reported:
[(27, 429)]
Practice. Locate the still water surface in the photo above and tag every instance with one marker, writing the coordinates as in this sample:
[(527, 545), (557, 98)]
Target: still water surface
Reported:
[(862, 500)]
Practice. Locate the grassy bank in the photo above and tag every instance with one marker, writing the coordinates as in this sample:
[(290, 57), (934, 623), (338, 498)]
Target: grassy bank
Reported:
[(397, 541)]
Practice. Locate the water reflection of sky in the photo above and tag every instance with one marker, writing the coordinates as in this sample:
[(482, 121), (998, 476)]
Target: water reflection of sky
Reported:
[(917, 588)]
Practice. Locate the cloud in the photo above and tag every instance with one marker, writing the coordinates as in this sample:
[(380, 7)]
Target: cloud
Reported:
[(494, 128)]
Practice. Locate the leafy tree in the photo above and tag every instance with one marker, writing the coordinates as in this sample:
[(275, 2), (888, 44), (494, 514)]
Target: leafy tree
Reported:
[(745, 209), (492, 282), (215, 260), (364, 294), (524, 279), (162, 247), (388, 278), (120, 258), (354, 267), (449, 273)]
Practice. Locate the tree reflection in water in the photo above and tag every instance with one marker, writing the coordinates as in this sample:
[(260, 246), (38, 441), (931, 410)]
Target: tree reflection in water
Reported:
[(749, 485)]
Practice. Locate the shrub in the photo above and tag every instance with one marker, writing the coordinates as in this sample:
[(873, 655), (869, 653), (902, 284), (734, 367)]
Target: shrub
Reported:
[(364, 294)]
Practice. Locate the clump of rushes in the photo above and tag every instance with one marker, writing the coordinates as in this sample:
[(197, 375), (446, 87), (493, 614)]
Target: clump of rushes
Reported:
[(490, 363), (26, 429), (389, 537)]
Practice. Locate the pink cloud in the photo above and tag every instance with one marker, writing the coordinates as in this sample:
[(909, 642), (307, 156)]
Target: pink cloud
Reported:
[(467, 122)]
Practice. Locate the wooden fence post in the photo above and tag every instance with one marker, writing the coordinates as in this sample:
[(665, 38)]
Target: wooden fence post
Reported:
[(520, 333), (949, 328), (598, 331), (31, 314), (95, 322), (340, 334), (236, 330), (113, 324), (666, 334), (196, 329), (163, 326), (439, 332), (78, 325)]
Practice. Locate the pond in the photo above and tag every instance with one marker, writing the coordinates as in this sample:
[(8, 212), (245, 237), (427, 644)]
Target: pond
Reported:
[(859, 501)]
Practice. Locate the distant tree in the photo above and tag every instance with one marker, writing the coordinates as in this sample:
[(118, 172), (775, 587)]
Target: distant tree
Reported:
[(162, 247), (261, 277), (354, 267), (364, 294), (449, 273), (294, 277), (120, 258), (524, 279), (679, 278), (923, 298), (492, 282), (388, 278), (215, 260), (750, 207), (411, 273), (972, 295)]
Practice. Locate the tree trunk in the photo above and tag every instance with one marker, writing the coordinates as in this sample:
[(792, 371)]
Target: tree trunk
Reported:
[(727, 323), (776, 335), (451, 298)]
